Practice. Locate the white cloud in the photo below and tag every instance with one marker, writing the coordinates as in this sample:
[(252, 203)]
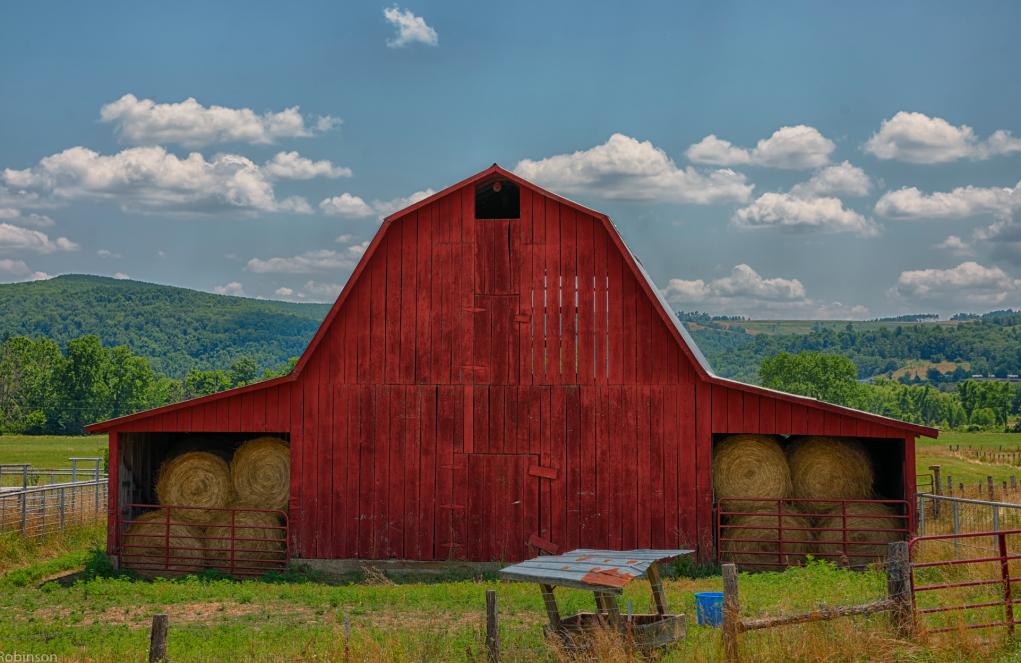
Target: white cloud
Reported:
[(967, 284), (358, 249), (310, 261), (321, 291), (233, 288), (962, 202), (355, 207), (794, 147), (918, 138), (293, 166), (954, 245), (344, 239), (841, 179), (19, 270), (624, 168), (745, 292), (121, 276), (161, 254), (346, 205), (283, 292), (33, 219), (107, 253), (189, 123), (150, 179), (783, 210), (18, 199), (16, 238), (410, 28)]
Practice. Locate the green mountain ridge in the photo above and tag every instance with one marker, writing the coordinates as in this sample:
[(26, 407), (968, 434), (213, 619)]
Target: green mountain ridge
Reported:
[(175, 328)]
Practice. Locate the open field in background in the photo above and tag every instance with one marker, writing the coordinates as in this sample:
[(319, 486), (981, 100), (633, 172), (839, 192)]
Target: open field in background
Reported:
[(50, 451), (806, 326)]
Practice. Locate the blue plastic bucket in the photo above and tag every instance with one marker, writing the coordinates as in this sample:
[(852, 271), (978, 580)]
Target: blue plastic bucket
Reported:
[(709, 608)]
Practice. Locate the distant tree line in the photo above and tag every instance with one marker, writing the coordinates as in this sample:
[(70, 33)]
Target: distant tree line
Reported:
[(47, 389), (972, 405)]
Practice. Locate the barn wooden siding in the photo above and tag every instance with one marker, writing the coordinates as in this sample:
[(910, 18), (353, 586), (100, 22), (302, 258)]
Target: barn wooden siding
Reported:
[(484, 384)]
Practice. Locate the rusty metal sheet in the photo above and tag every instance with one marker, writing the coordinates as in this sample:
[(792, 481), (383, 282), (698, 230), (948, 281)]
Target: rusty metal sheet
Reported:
[(598, 570)]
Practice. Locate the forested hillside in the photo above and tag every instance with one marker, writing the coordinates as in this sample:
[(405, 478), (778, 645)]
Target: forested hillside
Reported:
[(176, 329), (986, 345)]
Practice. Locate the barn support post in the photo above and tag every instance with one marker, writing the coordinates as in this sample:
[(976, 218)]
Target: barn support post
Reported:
[(112, 501), (910, 485)]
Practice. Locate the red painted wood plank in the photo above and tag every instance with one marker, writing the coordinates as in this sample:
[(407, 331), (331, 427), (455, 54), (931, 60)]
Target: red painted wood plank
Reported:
[(799, 419), (589, 508), (554, 360), (643, 340), (735, 411), (705, 402), (831, 423), (445, 414), (381, 417), (617, 442), (362, 300), (658, 466), (409, 298), (814, 418), (615, 311), (586, 300), (427, 473), (546, 458), (396, 460), (523, 268), (446, 307), (482, 438), (297, 458), (393, 305), (310, 475), (600, 324), (569, 295), (631, 439), (459, 548), (477, 490), (783, 416), (645, 483), (112, 495), (750, 416), (718, 410), (424, 312), (377, 319), (629, 329), (325, 447), (411, 461), (604, 468)]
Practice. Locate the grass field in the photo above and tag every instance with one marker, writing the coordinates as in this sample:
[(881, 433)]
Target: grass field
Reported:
[(46, 451), (102, 617)]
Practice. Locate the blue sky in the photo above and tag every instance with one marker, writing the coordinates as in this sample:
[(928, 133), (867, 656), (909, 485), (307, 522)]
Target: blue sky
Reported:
[(794, 160)]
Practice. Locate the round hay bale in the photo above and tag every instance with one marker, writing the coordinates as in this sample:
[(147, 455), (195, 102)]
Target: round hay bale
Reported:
[(194, 479), (748, 536), (269, 544), (827, 468), (146, 545), (750, 466), (261, 472), (212, 443), (830, 542)]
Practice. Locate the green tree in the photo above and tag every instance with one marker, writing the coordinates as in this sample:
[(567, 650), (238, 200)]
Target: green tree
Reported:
[(83, 395), (828, 377)]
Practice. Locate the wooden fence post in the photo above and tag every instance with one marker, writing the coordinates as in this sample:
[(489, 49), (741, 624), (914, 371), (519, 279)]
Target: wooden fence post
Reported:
[(158, 638), (731, 614), (1013, 483), (492, 629), (937, 487), (989, 482), (898, 586)]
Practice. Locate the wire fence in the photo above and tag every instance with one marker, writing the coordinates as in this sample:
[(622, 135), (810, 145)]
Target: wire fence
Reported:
[(46, 501)]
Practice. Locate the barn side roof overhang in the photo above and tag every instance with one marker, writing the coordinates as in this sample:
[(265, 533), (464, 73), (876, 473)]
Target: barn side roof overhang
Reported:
[(680, 333)]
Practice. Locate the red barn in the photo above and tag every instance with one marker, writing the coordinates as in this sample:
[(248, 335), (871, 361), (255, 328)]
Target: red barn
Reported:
[(498, 374)]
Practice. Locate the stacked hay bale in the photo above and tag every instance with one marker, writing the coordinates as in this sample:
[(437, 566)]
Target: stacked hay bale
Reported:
[(156, 547), (210, 489), (754, 466), (805, 468)]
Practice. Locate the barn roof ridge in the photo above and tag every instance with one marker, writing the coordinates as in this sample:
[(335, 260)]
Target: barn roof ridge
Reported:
[(683, 337)]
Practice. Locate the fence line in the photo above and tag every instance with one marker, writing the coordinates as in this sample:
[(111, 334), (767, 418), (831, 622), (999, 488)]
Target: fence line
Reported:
[(39, 510)]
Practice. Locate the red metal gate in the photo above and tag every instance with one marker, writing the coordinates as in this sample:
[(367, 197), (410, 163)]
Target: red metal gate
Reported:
[(964, 581), (168, 540), (776, 533)]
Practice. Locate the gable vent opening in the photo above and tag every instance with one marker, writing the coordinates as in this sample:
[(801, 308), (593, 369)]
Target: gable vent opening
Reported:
[(497, 199)]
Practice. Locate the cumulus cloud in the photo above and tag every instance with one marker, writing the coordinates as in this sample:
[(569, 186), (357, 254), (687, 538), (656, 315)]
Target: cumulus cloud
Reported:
[(918, 138), (410, 29), (293, 166), (284, 292), (310, 261), (149, 179), (962, 202), (17, 269), (744, 291), (954, 245), (321, 291), (121, 276), (189, 123), (794, 147), (33, 219), (233, 288), (967, 284), (355, 207), (15, 238), (789, 212), (107, 253), (624, 168), (841, 179)]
